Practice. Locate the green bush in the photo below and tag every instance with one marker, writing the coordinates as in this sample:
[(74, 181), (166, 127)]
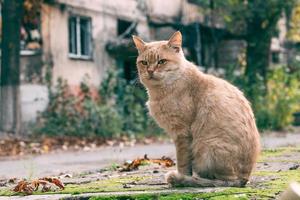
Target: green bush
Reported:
[(129, 99), (79, 116), (275, 109), (275, 103), (119, 110)]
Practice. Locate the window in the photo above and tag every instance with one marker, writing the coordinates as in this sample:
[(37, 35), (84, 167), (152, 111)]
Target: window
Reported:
[(80, 45), (123, 26)]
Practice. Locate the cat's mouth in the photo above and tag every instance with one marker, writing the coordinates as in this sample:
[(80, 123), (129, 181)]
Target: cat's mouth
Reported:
[(152, 77)]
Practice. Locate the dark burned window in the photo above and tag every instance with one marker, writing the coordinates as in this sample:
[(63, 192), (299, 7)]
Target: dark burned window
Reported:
[(123, 25), (80, 45), (126, 63), (129, 71)]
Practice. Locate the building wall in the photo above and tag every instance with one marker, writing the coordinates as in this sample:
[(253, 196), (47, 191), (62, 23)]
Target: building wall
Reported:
[(34, 99), (75, 70), (34, 93), (104, 15)]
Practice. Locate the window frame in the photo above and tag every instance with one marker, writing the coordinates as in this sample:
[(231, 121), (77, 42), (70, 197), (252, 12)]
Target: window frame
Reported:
[(78, 54)]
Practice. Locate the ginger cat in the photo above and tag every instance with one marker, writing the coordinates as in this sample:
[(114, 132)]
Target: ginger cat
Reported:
[(209, 120)]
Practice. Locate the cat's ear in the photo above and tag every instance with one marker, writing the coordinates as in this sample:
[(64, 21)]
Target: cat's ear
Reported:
[(139, 43), (175, 41)]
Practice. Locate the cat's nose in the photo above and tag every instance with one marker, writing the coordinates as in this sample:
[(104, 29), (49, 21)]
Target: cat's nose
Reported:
[(150, 71)]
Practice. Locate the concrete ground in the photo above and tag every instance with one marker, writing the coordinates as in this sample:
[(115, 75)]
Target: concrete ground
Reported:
[(77, 162), (55, 163), (94, 173)]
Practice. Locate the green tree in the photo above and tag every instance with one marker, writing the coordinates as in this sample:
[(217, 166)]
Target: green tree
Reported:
[(256, 22), (294, 30)]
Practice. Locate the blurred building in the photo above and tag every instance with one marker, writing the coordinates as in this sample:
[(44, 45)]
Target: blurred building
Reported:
[(79, 40)]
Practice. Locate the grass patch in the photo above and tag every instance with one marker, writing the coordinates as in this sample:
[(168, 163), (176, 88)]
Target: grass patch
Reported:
[(110, 185), (272, 153), (230, 194), (6, 192)]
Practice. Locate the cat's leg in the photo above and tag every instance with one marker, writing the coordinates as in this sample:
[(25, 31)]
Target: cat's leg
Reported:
[(216, 161), (205, 175), (183, 145), (212, 168)]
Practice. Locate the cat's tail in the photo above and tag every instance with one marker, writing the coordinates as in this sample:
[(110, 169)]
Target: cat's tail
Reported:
[(179, 180)]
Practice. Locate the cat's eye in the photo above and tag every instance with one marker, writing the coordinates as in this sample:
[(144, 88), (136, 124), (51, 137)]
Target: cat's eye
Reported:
[(144, 62), (162, 61)]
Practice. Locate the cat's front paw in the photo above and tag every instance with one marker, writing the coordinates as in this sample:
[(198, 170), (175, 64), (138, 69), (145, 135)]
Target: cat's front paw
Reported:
[(173, 178)]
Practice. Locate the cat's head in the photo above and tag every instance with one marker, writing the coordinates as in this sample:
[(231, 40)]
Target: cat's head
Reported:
[(160, 62)]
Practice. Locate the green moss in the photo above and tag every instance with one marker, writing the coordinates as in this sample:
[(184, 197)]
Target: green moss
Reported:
[(6, 192), (283, 178), (272, 153), (110, 185), (266, 190), (283, 161), (229, 195), (113, 167), (278, 183)]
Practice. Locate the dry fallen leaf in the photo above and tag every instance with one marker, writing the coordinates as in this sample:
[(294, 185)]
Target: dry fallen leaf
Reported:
[(55, 181), (134, 165), (24, 187), (46, 188), (37, 183), (166, 161), (27, 187)]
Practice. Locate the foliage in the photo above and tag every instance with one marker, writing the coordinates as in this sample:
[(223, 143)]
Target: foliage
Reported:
[(239, 14), (274, 96), (275, 109), (294, 31), (80, 116), (119, 110), (255, 22), (129, 99)]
